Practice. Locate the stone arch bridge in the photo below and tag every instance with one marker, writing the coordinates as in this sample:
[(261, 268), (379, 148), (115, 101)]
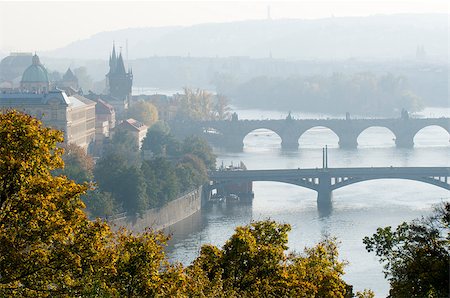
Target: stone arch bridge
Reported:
[(231, 133)]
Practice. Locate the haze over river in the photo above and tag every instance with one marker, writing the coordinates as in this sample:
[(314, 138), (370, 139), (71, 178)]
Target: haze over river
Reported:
[(357, 211)]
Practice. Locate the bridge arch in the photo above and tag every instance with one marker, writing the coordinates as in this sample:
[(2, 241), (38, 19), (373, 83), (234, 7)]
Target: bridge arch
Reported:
[(432, 135), (318, 136), (262, 138), (376, 136), (428, 180)]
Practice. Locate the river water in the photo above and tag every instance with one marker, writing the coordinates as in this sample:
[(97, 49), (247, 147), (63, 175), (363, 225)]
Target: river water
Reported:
[(357, 209)]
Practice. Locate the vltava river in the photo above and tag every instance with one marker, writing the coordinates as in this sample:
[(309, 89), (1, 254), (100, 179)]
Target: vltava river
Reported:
[(357, 211)]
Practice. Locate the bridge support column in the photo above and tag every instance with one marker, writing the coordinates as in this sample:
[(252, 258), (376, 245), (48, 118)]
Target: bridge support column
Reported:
[(404, 141), (233, 143), (348, 141), (289, 144), (324, 195)]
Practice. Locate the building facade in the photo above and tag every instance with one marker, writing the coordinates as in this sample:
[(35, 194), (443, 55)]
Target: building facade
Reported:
[(137, 129), (73, 115), (70, 113)]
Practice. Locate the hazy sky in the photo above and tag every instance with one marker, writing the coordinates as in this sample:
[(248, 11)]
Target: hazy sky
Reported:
[(39, 26)]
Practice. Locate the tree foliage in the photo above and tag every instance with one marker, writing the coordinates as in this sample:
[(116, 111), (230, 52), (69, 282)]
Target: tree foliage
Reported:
[(362, 93), (78, 165), (144, 112), (199, 147), (166, 169), (199, 104), (47, 246), (416, 255), (254, 263)]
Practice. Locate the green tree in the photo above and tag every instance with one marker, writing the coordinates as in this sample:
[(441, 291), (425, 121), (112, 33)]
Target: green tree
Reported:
[(191, 172), (162, 181), (160, 142), (416, 255), (100, 204), (144, 112), (124, 144), (132, 194), (199, 147)]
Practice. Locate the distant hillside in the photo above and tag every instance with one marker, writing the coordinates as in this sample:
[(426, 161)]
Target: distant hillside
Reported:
[(378, 37)]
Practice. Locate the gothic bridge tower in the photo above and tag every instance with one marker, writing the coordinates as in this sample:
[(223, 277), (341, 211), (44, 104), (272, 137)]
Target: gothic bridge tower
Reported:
[(119, 80)]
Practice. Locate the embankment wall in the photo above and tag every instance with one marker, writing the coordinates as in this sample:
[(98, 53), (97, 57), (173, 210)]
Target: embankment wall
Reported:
[(160, 218)]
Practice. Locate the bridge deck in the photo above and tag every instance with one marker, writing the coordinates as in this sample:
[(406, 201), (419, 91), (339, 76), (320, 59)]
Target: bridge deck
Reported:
[(328, 179), (317, 172)]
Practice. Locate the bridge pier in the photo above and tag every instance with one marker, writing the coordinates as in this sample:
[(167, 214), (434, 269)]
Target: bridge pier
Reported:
[(289, 144), (404, 141), (324, 194), (233, 143), (348, 141)]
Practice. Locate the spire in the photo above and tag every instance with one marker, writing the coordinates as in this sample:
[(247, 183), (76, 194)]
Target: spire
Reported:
[(113, 60), (120, 65), (35, 60), (114, 50)]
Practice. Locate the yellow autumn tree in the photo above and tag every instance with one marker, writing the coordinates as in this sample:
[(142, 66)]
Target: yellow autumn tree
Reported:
[(144, 112), (254, 263), (48, 247)]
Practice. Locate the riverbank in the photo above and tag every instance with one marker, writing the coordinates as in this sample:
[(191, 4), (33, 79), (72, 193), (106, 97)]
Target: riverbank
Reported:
[(161, 218)]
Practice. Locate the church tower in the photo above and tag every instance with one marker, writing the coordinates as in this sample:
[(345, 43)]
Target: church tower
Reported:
[(119, 80)]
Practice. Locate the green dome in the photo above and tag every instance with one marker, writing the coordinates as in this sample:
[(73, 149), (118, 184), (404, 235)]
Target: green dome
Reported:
[(36, 72)]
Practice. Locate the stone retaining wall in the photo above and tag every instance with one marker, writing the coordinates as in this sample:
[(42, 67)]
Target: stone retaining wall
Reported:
[(160, 218)]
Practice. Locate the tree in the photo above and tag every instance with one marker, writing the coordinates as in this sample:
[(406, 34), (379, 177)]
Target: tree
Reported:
[(416, 255), (199, 147), (47, 245), (144, 112), (191, 172), (100, 204), (48, 248), (142, 268), (160, 142), (161, 180), (253, 263), (221, 107), (78, 165)]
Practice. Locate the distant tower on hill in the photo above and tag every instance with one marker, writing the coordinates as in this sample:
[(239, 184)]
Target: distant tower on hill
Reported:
[(420, 52), (119, 80)]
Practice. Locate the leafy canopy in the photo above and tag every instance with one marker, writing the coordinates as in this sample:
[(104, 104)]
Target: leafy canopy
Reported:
[(416, 255)]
